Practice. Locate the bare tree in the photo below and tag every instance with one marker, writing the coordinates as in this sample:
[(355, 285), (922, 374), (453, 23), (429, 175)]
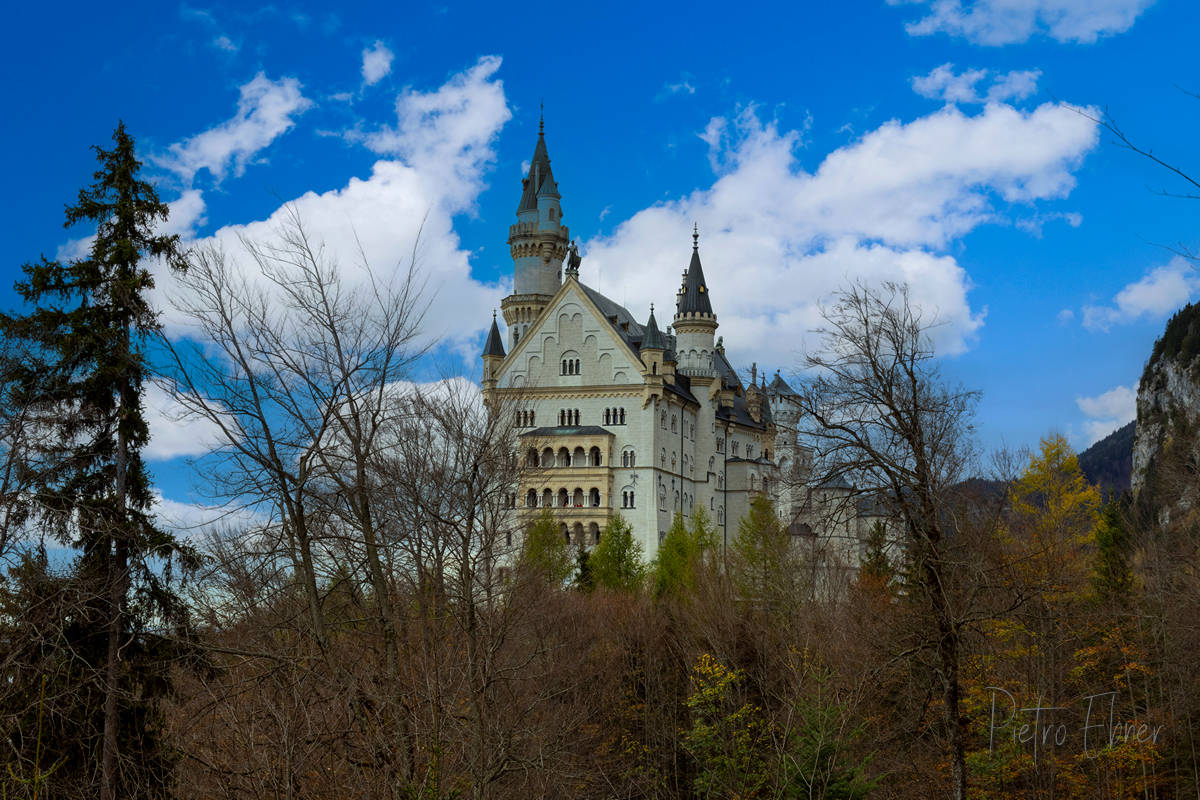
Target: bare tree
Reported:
[(880, 417)]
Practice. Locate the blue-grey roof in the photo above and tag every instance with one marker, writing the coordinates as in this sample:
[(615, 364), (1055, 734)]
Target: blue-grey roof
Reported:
[(780, 388), (569, 430), (539, 174), (653, 339), (494, 346), (695, 291)]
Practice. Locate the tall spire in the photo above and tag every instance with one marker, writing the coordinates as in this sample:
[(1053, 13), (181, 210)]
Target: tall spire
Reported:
[(540, 178), (694, 299), (494, 346), (653, 338)]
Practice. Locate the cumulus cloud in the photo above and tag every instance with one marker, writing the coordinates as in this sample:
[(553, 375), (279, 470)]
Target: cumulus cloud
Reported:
[(266, 110), (1107, 411), (1000, 22), (438, 153), (172, 432), (943, 83), (192, 520), (777, 240), (1155, 295), (376, 63)]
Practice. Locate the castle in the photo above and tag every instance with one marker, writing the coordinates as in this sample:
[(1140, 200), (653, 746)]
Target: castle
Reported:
[(619, 415)]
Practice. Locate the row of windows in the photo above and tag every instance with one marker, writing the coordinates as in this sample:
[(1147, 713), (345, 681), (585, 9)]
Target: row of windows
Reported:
[(567, 416), (564, 499), (614, 416), (564, 458), (570, 366), (627, 500), (524, 419)]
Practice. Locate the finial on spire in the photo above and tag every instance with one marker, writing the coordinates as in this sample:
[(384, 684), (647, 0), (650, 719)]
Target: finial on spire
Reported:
[(695, 236), (493, 315), (541, 117), (652, 308)]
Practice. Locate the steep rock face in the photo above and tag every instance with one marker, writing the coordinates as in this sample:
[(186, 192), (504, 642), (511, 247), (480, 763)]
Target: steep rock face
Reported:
[(1166, 447)]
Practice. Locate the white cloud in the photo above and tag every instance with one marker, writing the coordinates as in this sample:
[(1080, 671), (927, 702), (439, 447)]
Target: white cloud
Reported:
[(376, 63), (943, 83), (266, 110), (999, 22), (438, 153), (1107, 411), (190, 520), (776, 240), (682, 86), (226, 44), (172, 433), (1155, 295)]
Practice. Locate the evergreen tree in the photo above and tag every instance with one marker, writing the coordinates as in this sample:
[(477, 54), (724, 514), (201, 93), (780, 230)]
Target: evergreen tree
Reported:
[(1112, 577), (545, 552), (876, 566), (616, 562), (85, 338), (762, 563), (585, 580), (683, 553)]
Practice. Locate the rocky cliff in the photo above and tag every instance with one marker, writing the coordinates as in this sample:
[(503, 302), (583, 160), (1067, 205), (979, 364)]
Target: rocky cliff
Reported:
[(1166, 447)]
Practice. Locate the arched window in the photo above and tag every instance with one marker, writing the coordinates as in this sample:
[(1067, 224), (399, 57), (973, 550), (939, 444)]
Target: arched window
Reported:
[(579, 533), (607, 413), (566, 533), (562, 417), (577, 366), (532, 415), (631, 503), (564, 499), (547, 498), (662, 420), (712, 462), (518, 420), (531, 458), (547, 457), (595, 458), (564, 367), (622, 416), (672, 423), (577, 416), (564, 457), (662, 458), (594, 533), (577, 498), (578, 458), (531, 498), (594, 498), (654, 368), (721, 515)]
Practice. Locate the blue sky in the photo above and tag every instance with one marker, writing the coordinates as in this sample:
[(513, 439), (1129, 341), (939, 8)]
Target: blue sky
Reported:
[(813, 143)]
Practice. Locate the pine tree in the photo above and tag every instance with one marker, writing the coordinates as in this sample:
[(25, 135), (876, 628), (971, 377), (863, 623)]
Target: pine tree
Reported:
[(762, 563), (616, 562), (85, 340), (545, 551)]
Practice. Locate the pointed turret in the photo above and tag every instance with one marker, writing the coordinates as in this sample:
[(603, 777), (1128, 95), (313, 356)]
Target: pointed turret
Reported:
[(653, 338), (695, 322), (654, 345), (494, 346), (493, 356), (694, 299), (538, 244)]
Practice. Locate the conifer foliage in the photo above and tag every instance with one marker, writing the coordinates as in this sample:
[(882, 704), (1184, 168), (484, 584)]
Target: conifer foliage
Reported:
[(77, 359)]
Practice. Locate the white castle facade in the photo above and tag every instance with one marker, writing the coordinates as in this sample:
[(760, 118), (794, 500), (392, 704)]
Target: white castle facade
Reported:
[(619, 416)]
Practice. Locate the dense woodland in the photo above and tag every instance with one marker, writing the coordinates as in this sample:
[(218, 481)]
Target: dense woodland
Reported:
[(376, 621)]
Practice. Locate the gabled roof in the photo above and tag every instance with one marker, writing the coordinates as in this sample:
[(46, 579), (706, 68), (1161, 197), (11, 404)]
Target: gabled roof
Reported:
[(780, 388), (695, 290), (494, 346)]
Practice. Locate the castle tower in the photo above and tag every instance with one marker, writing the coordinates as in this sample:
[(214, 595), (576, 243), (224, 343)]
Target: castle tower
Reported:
[(538, 243), (695, 323), (493, 355)]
